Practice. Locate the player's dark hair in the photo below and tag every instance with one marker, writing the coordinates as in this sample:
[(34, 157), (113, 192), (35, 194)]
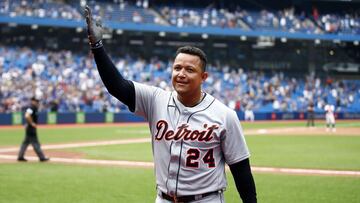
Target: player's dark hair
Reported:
[(34, 99), (194, 51)]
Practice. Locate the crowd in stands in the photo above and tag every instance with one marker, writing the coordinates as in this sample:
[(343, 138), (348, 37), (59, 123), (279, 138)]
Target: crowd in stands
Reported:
[(284, 20), (140, 11), (39, 9), (68, 82), (348, 24)]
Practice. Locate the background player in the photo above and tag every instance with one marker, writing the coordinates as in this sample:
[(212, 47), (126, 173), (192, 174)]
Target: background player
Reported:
[(31, 117), (193, 134), (310, 114), (249, 113), (330, 118)]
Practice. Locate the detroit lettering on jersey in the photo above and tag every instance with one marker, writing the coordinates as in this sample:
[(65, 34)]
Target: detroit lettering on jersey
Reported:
[(183, 132)]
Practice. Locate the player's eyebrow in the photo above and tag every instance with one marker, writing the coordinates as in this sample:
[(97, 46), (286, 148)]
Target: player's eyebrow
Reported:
[(184, 66)]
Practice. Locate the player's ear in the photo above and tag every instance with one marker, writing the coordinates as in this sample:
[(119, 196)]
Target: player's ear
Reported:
[(204, 76)]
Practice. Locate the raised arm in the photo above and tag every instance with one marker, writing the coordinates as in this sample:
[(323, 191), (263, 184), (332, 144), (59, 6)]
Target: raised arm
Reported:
[(114, 82)]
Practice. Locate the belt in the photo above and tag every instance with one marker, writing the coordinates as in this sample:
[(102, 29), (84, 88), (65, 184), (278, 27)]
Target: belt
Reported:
[(187, 198)]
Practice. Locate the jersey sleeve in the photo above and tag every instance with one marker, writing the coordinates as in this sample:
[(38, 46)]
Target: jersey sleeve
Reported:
[(29, 111), (144, 99), (233, 143), (327, 108)]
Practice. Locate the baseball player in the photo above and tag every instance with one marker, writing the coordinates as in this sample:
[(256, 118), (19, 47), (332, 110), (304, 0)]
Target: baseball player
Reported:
[(193, 134), (249, 113), (311, 114), (330, 118), (31, 116)]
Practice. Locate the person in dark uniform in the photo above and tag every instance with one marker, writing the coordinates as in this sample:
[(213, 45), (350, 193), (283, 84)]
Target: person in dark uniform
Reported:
[(311, 114), (31, 117)]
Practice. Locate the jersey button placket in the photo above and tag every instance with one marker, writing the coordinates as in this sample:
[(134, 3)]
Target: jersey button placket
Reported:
[(174, 161), (174, 167)]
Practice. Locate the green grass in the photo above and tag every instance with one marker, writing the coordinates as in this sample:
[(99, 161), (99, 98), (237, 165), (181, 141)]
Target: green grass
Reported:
[(273, 188), (323, 152), (54, 182), (46, 182), (320, 152), (273, 124), (10, 137), (129, 152), (39, 182), (291, 124)]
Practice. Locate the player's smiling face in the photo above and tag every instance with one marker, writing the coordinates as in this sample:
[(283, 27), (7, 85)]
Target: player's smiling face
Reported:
[(187, 75)]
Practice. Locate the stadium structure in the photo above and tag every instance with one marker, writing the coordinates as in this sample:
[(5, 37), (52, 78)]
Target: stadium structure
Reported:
[(271, 57)]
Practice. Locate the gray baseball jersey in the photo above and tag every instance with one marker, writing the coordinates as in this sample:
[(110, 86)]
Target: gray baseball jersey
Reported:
[(190, 144)]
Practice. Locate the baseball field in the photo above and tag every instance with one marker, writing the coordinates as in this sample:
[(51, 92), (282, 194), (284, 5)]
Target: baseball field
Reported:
[(113, 163)]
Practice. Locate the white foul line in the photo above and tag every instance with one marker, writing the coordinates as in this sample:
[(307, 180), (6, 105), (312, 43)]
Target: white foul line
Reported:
[(86, 161), (151, 164), (85, 144), (305, 171), (293, 171)]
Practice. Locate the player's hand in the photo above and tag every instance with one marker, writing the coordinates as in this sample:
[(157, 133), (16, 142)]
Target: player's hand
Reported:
[(94, 29)]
